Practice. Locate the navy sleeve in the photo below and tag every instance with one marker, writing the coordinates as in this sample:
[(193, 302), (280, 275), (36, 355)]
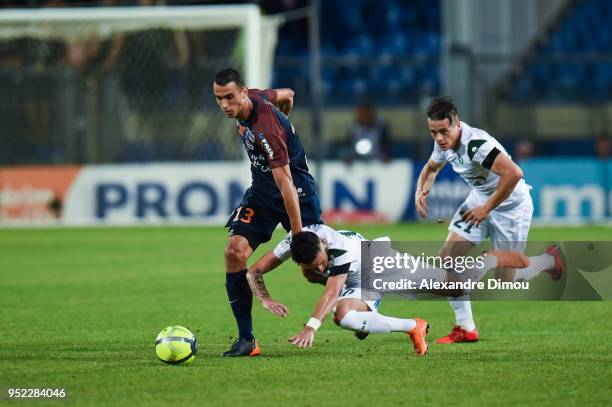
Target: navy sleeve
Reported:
[(271, 137)]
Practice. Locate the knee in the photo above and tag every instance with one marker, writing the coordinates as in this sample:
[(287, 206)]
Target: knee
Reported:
[(341, 311), (235, 254), (338, 315), (349, 320)]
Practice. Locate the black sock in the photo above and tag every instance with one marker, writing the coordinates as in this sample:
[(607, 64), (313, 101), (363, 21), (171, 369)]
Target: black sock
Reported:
[(241, 299)]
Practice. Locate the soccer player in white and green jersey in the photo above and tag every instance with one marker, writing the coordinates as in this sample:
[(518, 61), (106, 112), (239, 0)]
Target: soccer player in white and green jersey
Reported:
[(498, 207), (334, 259)]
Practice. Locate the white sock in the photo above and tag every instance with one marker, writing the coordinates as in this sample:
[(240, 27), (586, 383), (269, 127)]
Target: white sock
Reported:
[(537, 264), (463, 312), (368, 321)]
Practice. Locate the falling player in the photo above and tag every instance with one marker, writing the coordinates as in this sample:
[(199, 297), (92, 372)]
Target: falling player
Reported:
[(282, 189), (499, 205), (334, 258)]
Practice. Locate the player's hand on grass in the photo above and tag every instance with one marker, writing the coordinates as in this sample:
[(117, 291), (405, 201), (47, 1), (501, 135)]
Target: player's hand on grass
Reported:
[(476, 215), (304, 339), (421, 205), (275, 307)]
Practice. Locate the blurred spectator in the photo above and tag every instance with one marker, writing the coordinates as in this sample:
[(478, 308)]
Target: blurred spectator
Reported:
[(41, 57), (93, 55), (154, 68), (80, 52), (27, 118), (369, 137), (55, 205), (602, 146), (106, 53), (523, 150), (153, 63)]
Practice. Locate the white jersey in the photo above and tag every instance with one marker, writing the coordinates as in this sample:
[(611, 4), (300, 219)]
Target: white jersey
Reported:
[(343, 249), (473, 159)]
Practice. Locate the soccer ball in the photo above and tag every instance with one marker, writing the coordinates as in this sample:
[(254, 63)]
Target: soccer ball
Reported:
[(176, 345)]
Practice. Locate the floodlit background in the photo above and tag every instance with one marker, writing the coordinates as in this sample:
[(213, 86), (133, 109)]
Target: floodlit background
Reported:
[(90, 83)]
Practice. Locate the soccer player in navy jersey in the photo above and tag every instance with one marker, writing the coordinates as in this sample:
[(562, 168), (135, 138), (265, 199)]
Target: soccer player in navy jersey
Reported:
[(282, 189)]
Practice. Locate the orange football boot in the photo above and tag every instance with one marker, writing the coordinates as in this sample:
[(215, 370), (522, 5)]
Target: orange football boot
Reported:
[(417, 336), (256, 351)]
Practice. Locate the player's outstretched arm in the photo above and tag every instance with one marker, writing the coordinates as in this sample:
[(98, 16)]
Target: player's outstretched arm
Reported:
[(426, 179), (509, 175), (284, 100), (326, 304), (254, 276), (282, 177)]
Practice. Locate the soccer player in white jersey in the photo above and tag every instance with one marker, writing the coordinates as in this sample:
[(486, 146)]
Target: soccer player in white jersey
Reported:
[(333, 258), (499, 205)]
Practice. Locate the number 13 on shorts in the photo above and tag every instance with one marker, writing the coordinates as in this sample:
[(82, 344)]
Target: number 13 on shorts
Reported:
[(245, 215)]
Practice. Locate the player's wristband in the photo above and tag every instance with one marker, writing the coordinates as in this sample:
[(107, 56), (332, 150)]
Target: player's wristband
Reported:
[(313, 323)]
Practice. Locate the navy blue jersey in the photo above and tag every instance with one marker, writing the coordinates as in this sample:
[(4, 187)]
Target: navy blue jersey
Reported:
[(270, 142)]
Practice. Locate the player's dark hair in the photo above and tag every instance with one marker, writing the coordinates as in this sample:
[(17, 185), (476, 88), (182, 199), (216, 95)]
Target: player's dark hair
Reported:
[(304, 247), (229, 75), (442, 108)]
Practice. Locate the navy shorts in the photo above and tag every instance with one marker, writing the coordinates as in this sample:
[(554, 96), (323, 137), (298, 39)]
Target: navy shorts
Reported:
[(256, 221)]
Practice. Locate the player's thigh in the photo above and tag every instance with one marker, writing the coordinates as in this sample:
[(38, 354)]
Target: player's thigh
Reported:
[(345, 305), (455, 245)]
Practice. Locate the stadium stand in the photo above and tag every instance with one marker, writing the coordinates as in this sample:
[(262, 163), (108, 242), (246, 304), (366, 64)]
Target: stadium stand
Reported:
[(362, 47), (572, 62)]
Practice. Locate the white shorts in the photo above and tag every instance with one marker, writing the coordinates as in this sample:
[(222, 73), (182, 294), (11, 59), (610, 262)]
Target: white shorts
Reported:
[(508, 229), (373, 298)]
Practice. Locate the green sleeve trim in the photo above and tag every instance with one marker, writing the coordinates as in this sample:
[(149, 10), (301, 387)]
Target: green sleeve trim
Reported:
[(333, 253), (473, 147)]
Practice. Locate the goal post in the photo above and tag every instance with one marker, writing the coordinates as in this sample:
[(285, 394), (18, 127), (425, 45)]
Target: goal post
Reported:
[(73, 23), (125, 84)]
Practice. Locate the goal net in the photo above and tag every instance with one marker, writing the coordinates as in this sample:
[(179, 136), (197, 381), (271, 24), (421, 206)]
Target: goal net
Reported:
[(124, 84)]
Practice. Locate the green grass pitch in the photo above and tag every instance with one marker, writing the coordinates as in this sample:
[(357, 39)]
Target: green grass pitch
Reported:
[(81, 308)]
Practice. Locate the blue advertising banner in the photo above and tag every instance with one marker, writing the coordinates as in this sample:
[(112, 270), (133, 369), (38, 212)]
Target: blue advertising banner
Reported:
[(564, 191), (569, 189)]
